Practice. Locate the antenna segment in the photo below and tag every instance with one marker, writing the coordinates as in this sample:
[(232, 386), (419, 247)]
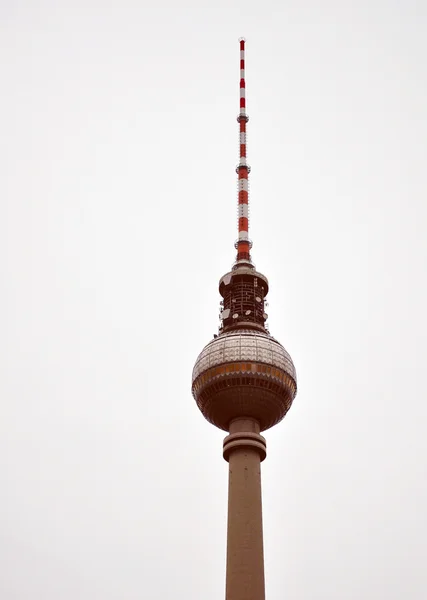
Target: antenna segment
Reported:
[(243, 244)]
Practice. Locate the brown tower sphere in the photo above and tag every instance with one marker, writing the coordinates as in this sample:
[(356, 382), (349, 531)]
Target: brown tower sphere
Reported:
[(244, 371), (244, 382)]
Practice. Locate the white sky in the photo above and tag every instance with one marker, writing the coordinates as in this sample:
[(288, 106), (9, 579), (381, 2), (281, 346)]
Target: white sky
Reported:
[(118, 217)]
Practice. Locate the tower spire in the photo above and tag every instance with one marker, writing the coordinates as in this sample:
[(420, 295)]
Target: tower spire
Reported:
[(243, 244)]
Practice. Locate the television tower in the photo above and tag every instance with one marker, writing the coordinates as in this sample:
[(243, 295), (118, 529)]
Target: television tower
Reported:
[(244, 382)]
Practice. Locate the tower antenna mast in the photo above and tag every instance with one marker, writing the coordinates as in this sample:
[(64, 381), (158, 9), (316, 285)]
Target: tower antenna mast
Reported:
[(243, 244)]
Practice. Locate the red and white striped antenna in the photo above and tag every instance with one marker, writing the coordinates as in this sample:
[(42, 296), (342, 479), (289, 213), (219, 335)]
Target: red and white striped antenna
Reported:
[(243, 244)]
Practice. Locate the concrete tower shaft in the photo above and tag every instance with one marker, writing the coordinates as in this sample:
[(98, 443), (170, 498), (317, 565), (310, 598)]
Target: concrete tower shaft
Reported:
[(244, 449)]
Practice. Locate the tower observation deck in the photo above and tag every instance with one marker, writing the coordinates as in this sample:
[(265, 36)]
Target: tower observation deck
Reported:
[(244, 382)]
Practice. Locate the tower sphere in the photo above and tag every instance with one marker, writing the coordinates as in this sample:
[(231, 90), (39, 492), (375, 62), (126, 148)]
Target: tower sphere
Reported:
[(244, 372)]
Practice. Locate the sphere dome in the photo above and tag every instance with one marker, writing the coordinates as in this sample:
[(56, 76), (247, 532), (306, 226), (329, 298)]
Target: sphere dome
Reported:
[(244, 372)]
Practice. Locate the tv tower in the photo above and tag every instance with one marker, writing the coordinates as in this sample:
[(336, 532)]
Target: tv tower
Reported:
[(244, 382)]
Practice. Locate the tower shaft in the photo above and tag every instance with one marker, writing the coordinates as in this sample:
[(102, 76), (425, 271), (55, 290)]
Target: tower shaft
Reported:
[(244, 449)]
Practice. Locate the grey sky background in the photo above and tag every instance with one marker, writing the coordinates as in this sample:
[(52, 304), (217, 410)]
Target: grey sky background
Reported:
[(117, 219)]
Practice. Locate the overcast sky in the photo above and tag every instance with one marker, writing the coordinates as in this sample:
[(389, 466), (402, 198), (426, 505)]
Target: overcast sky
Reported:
[(117, 219)]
